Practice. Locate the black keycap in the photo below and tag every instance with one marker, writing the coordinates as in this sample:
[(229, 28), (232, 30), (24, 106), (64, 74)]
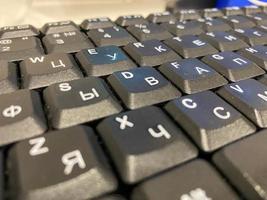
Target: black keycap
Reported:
[(103, 61), (141, 87), (144, 142), (196, 180), (8, 77), (215, 24), (16, 49), (160, 17), (238, 21), (96, 23), (112, 197), (249, 97), (21, 116), (190, 46), (233, 66), (259, 18), (192, 75), (67, 42), (252, 36), (223, 41), (257, 54), (244, 164), (110, 36), (129, 20), (209, 120), (18, 31), (150, 53), (47, 168), (251, 9), (59, 27), (45, 70), (188, 14), (149, 32), (233, 11), (79, 101), (211, 12), (184, 28)]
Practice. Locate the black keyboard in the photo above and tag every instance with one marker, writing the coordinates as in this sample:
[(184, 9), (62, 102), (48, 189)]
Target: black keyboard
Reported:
[(168, 107)]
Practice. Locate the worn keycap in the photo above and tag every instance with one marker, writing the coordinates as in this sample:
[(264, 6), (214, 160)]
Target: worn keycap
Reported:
[(45, 70), (79, 101), (103, 61), (16, 49), (252, 36), (59, 27), (191, 75), (197, 180), (223, 41), (234, 10), (110, 36), (244, 164), (128, 20), (221, 125), (45, 167), (188, 14), (160, 17), (150, 53), (249, 97), (142, 86), (67, 42), (144, 142), (190, 46), (95, 23), (18, 31), (233, 66), (238, 21), (8, 77), (21, 116)]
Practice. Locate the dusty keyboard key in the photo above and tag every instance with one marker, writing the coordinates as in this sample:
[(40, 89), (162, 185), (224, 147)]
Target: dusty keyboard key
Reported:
[(233, 66), (95, 23), (59, 27), (103, 61), (79, 101), (150, 53), (129, 20), (197, 180), (189, 14), (249, 97), (144, 142), (18, 31), (45, 167), (45, 70), (221, 125), (142, 86), (160, 17), (21, 116), (8, 77), (191, 75)]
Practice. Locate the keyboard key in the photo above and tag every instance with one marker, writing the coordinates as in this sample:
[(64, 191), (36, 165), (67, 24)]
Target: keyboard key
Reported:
[(221, 125), (253, 36), (211, 12), (233, 66), (149, 31), (251, 9), (144, 142), (257, 54), (47, 168), (18, 31), (59, 27), (79, 101), (259, 18), (8, 77), (215, 24), (196, 180), (21, 116), (150, 53), (45, 70), (233, 11), (16, 49), (184, 28), (189, 14), (238, 21), (129, 20), (96, 23), (249, 97), (190, 46), (192, 75), (110, 36), (141, 87), (103, 61), (160, 17), (67, 42), (223, 41)]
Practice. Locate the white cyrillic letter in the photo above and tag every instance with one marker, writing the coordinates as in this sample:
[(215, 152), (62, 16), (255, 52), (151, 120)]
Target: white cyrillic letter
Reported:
[(71, 159)]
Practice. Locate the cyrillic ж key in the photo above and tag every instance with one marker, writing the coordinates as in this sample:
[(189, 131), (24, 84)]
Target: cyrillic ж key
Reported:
[(221, 125), (21, 116), (47, 168)]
